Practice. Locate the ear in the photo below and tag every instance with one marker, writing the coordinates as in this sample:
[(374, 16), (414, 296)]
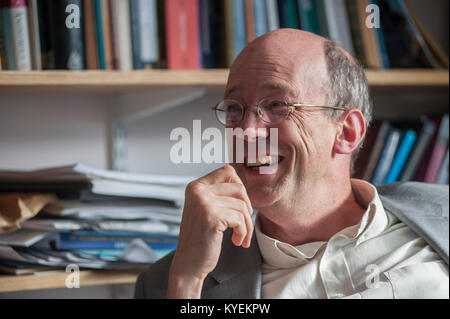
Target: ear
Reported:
[(351, 132)]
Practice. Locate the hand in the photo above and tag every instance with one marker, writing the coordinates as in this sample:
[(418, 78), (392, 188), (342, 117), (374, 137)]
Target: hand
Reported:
[(213, 203)]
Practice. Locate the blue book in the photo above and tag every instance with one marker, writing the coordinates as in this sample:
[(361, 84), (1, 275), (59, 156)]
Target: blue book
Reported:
[(9, 43), (260, 16), (403, 152), (309, 21), (386, 157), (112, 240), (379, 36), (240, 33)]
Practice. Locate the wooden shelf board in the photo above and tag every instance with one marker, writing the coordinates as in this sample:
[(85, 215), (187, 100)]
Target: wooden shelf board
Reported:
[(110, 81), (9, 283)]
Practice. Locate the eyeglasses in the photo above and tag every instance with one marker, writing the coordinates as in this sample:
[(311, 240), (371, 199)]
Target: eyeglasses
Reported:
[(230, 112)]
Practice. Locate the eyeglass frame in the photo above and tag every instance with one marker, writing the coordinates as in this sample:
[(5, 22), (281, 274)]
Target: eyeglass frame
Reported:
[(260, 114)]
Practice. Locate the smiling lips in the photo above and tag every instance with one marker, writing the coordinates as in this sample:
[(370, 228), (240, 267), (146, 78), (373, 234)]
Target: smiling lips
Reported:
[(266, 160)]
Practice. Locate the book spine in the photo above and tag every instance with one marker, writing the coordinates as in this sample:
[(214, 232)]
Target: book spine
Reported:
[(260, 14), (308, 16), (386, 157), (443, 172), (86, 240), (21, 39), (99, 33), (182, 34), (90, 35), (2, 45), (273, 18), (67, 34), (379, 37), (376, 151), (122, 35), (414, 160), (7, 31), (401, 156), (148, 22), (107, 34), (355, 31), (35, 42), (338, 24), (249, 20), (135, 34), (438, 154), (240, 39), (372, 58), (207, 33)]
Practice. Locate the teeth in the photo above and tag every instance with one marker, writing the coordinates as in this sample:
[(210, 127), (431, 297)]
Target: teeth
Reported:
[(264, 160)]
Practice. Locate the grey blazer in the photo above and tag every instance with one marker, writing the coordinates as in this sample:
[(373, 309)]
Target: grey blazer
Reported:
[(422, 207)]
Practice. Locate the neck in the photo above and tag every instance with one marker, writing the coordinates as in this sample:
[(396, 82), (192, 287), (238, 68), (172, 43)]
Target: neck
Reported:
[(314, 216)]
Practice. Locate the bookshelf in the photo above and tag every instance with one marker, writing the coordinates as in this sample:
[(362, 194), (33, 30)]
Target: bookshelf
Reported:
[(117, 81), (51, 280)]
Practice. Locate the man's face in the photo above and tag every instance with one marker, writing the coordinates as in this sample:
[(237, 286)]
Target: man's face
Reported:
[(305, 137)]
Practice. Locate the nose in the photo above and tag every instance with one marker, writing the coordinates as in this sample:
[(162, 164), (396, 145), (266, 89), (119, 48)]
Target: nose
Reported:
[(253, 126)]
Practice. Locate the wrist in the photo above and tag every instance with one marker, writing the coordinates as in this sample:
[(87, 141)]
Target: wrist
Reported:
[(181, 286)]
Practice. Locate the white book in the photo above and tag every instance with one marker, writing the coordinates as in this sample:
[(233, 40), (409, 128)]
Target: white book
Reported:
[(35, 41), (273, 19), (149, 31), (122, 34), (21, 39), (338, 24)]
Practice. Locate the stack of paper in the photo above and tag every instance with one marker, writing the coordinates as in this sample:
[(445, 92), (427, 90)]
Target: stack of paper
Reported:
[(102, 219)]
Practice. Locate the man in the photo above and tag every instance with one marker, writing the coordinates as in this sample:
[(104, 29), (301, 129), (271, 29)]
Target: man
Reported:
[(318, 233)]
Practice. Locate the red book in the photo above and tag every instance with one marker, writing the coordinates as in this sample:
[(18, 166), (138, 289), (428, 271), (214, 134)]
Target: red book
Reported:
[(438, 153), (182, 34)]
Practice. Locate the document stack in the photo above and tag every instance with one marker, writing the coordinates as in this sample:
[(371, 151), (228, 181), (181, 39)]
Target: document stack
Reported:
[(89, 217)]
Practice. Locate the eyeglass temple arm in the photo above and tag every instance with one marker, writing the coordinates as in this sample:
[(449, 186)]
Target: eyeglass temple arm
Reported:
[(324, 106)]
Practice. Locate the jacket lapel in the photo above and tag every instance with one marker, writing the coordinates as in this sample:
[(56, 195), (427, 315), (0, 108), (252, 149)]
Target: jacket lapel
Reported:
[(237, 274)]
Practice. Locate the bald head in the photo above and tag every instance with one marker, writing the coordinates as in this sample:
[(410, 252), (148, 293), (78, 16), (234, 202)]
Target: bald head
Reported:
[(296, 58)]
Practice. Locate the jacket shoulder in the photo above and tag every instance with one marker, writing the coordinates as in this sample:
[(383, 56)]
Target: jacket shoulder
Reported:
[(414, 192), (152, 283)]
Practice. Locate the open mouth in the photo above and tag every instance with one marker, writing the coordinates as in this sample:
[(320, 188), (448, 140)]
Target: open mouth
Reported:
[(261, 161)]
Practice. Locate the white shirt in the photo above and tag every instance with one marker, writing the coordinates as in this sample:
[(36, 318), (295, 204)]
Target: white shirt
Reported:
[(378, 258)]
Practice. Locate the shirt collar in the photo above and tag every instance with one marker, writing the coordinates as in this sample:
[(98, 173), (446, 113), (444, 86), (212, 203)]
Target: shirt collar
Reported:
[(283, 255)]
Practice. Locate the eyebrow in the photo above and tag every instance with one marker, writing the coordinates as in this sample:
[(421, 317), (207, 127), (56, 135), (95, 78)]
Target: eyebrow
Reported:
[(266, 86)]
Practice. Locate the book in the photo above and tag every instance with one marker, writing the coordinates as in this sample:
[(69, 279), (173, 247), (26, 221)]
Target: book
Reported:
[(376, 150), (382, 51), (90, 35), (273, 18), (20, 36), (386, 157), (260, 17), (404, 149), (208, 34), (309, 20), (112, 240), (404, 43), (365, 151), (144, 26), (249, 20), (418, 152), (287, 11), (371, 50), (33, 30), (7, 35), (443, 172), (2, 45), (353, 18), (66, 32), (338, 24), (438, 153), (182, 34), (121, 31)]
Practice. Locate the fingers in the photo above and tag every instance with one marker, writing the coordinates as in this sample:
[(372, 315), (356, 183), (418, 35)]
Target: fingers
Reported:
[(235, 190), (240, 207), (236, 220), (225, 174)]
